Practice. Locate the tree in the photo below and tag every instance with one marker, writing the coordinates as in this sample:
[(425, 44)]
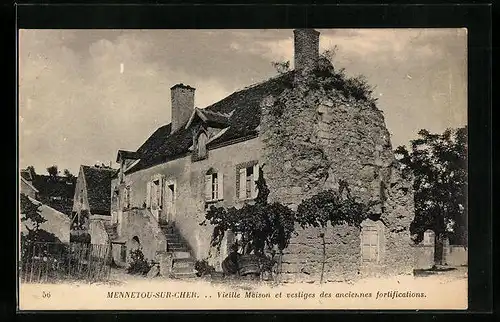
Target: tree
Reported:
[(31, 212), (281, 67), (439, 166), (261, 225), (333, 208), (53, 171), (68, 174), (31, 170)]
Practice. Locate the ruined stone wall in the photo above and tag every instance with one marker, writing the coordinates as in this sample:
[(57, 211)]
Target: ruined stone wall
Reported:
[(313, 137)]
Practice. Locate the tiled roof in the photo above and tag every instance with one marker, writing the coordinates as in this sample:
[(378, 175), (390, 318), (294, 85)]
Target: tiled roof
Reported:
[(26, 174), (56, 192), (243, 107), (98, 185), (122, 154)]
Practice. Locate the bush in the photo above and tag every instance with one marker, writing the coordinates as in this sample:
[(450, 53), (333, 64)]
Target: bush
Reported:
[(203, 268), (138, 265)]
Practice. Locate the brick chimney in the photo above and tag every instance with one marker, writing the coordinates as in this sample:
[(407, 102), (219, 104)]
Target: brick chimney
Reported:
[(306, 50), (182, 97)]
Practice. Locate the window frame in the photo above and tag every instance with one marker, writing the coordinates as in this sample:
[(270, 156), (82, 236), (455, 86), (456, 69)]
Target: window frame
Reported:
[(251, 191), (376, 245), (214, 178)]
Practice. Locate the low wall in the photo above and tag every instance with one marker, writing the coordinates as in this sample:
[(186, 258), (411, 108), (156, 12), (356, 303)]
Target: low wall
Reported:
[(456, 255), (97, 232), (424, 256), (140, 223)]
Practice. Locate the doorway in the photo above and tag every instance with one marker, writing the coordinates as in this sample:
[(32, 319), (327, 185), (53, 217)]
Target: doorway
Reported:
[(169, 210)]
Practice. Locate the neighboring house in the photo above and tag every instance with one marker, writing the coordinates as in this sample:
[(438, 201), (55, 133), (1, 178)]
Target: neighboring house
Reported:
[(56, 222), (54, 191), (304, 136), (92, 201), (27, 188)]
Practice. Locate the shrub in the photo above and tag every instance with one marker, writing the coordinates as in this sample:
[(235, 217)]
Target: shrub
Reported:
[(203, 268), (138, 265)]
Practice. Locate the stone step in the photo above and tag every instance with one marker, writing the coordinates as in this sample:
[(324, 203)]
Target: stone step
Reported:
[(173, 237), (183, 263), (184, 275), (181, 254), (177, 248), (183, 270)]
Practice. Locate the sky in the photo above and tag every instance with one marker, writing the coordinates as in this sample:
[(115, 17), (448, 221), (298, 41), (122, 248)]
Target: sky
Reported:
[(85, 94)]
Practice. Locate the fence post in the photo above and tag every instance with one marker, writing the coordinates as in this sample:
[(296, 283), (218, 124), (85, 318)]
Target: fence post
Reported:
[(32, 260), (39, 267), (47, 265)]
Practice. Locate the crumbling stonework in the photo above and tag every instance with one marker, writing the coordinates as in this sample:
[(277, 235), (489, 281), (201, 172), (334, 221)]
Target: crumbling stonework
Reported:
[(313, 136)]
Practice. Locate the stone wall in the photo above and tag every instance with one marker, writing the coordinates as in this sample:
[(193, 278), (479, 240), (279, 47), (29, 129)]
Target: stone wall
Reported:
[(97, 232), (57, 222), (27, 189), (139, 223), (313, 136)]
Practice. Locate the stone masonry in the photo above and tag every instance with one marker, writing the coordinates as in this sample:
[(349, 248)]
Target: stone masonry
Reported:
[(313, 136)]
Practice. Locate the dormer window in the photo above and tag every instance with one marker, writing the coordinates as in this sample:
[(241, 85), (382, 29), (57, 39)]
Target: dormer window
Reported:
[(200, 148)]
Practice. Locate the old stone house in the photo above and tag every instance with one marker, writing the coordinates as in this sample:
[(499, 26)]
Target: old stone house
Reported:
[(54, 191), (306, 132), (27, 188), (56, 222), (92, 202)]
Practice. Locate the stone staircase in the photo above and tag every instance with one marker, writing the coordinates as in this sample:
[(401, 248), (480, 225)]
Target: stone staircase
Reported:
[(182, 260)]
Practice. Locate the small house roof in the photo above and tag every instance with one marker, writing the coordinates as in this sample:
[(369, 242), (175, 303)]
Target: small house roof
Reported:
[(98, 185)]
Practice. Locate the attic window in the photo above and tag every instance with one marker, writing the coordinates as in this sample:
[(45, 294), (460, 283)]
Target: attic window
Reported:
[(200, 151)]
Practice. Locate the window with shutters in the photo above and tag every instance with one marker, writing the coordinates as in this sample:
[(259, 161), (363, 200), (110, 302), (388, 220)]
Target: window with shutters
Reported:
[(371, 243), (247, 176), (214, 186)]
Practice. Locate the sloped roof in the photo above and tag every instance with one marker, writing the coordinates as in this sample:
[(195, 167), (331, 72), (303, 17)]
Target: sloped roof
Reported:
[(123, 154), (50, 188), (98, 185), (214, 119), (28, 183), (243, 107), (26, 174)]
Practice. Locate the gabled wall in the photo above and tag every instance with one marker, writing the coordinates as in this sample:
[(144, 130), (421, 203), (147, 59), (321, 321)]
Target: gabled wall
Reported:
[(80, 201)]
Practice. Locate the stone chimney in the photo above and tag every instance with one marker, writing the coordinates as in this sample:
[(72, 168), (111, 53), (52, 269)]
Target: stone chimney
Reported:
[(182, 97), (306, 50)]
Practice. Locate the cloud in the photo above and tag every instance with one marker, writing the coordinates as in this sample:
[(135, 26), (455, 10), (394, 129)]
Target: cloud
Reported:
[(77, 107)]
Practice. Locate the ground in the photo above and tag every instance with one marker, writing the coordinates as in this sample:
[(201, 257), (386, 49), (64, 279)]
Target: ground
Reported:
[(441, 290)]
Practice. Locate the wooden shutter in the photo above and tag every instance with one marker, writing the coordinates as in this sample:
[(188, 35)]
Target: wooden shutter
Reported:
[(243, 182), (370, 245), (255, 190), (148, 194), (220, 186), (208, 187)]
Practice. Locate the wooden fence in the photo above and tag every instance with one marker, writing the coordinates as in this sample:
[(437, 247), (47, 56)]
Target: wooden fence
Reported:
[(57, 262)]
